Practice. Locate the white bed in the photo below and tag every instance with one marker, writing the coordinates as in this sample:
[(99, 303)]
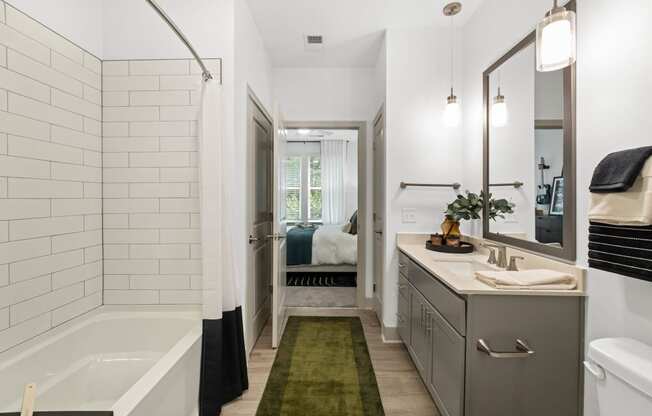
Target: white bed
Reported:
[(333, 250)]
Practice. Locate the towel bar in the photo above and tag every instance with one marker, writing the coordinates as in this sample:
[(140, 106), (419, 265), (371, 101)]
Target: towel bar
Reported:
[(431, 185), (515, 184)]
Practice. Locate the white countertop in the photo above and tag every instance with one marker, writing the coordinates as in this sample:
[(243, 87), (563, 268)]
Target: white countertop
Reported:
[(413, 245)]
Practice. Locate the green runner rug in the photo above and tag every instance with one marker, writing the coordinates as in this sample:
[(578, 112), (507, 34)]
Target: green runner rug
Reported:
[(322, 367)]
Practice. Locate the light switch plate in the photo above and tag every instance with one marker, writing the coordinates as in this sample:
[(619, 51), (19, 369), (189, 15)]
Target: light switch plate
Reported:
[(409, 215)]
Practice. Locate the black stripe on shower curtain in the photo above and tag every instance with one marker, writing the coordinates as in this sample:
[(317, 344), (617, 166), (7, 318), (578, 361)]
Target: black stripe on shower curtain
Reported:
[(223, 364)]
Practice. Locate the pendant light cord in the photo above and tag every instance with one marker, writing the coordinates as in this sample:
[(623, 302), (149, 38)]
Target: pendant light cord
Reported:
[(452, 53)]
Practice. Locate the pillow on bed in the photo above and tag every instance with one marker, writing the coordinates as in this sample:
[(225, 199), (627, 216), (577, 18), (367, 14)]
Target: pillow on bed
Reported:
[(354, 223)]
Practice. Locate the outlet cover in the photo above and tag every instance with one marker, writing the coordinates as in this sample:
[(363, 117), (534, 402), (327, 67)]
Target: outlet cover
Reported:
[(409, 215)]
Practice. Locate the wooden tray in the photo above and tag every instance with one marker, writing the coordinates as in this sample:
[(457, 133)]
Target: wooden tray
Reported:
[(464, 248)]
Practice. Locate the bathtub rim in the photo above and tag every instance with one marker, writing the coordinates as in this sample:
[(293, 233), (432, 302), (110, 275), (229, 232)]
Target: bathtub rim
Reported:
[(104, 312)]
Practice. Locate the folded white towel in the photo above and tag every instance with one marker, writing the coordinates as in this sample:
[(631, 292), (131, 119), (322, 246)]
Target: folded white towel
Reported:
[(633, 207), (536, 279)]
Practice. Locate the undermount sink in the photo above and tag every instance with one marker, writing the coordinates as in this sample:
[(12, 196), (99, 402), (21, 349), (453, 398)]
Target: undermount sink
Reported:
[(464, 268)]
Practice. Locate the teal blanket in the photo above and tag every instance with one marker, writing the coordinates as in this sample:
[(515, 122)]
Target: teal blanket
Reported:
[(299, 244)]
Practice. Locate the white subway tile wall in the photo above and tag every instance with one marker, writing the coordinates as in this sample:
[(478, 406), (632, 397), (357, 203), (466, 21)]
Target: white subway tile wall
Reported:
[(151, 230), (50, 179)]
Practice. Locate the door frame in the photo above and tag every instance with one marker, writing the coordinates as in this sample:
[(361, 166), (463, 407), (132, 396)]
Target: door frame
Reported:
[(363, 144), (379, 297), (253, 102)]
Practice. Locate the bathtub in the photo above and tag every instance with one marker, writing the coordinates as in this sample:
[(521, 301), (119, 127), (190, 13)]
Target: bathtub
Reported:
[(136, 362)]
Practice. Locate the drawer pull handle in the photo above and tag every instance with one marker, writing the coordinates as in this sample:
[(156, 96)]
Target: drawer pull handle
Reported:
[(401, 287), (523, 350), (401, 265)]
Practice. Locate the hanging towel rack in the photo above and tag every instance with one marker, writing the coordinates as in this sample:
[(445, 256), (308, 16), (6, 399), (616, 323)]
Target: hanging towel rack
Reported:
[(515, 184), (455, 185)]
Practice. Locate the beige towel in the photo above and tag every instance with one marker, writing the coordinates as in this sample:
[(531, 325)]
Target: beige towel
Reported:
[(528, 279), (633, 208)]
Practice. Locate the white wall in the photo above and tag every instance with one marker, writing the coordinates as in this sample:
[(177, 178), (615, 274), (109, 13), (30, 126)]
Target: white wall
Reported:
[(419, 148), (251, 69), (333, 94), (80, 21), (614, 58), (133, 30)]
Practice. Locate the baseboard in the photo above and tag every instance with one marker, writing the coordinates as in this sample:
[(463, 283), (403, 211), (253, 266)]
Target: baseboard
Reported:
[(308, 311), (391, 335), (368, 303)]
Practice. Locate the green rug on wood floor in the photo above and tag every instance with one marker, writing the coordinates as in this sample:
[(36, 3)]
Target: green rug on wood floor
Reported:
[(322, 367)]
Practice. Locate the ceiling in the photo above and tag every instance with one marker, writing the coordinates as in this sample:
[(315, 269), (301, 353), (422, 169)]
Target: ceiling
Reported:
[(352, 29)]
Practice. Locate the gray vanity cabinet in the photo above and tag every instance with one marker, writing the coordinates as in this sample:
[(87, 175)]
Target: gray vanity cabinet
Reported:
[(443, 331), (446, 381), (403, 315), (420, 340)]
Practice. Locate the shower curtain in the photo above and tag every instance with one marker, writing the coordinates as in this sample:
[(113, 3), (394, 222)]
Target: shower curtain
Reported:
[(224, 365)]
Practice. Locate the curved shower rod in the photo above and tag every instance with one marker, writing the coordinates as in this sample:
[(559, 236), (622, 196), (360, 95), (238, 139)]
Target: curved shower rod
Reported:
[(206, 74)]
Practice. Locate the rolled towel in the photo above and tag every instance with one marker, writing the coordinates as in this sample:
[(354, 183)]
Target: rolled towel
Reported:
[(618, 171), (536, 279), (630, 208)]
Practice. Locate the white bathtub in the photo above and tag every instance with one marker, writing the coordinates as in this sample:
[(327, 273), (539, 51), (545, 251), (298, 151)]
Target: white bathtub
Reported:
[(139, 362)]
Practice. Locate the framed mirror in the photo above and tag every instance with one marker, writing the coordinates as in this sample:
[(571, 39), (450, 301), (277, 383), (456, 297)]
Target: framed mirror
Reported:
[(529, 153)]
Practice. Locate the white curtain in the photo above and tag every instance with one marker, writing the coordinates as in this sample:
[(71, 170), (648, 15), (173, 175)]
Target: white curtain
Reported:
[(333, 157), (223, 375), (216, 176), (351, 178)]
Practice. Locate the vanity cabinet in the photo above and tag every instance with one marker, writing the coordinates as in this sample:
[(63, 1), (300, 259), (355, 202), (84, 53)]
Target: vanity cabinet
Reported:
[(443, 331)]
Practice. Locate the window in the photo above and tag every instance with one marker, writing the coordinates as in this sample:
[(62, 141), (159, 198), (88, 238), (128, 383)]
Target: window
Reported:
[(314, 190), (303, 188), (293, 188)]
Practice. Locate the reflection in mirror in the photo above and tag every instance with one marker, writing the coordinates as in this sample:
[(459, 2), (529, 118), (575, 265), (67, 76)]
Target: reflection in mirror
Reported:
[(526, 148)]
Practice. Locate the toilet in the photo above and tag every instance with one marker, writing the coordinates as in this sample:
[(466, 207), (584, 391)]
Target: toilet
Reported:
[(623, 369)]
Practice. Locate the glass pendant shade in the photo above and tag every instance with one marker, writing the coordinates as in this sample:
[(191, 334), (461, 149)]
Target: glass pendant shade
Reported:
[(556, 40), (499, 114), (452, 113)]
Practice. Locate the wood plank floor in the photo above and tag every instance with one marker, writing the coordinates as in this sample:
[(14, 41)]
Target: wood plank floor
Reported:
[(401, 389)]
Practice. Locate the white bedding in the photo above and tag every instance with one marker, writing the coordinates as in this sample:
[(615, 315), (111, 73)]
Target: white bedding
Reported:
[(331, 245)]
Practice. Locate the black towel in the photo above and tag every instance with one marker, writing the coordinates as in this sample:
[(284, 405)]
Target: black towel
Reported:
[(618, 171), (621, 249)]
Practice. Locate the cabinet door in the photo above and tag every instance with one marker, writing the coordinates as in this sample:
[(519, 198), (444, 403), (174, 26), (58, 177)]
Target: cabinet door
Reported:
[(419, 333), (403, 315), (447, 369), (544, 383)]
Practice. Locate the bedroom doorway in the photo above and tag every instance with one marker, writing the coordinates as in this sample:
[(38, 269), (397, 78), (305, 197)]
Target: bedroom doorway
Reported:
[(326, 206)]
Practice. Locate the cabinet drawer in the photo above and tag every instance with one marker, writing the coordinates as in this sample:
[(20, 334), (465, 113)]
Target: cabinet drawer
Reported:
[(403, 262), (449, 305), (403, 287)]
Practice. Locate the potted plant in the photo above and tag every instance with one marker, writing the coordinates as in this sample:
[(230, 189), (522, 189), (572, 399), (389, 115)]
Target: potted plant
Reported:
[(468, 207)]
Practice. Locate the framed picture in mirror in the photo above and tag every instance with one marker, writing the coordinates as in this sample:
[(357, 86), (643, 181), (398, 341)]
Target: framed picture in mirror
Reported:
[(557, 201)]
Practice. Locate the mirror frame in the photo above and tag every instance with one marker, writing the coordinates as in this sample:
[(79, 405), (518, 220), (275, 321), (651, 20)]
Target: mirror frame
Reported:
[(568, 251)]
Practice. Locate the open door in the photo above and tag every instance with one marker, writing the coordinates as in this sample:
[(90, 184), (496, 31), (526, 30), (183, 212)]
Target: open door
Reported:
[(279, 227)]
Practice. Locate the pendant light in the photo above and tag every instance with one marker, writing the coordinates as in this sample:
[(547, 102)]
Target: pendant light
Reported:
[(499, 114), (452, 113), (556, 39)]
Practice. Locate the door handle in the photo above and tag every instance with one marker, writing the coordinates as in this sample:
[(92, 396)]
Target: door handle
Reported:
[(523, 350), (378, 232), (253, 239)]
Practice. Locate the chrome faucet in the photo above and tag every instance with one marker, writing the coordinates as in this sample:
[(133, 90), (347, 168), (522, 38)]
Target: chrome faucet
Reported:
[(502, 255)]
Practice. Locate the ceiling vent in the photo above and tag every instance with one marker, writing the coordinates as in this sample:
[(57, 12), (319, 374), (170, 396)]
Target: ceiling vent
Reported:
[(313, 42)]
